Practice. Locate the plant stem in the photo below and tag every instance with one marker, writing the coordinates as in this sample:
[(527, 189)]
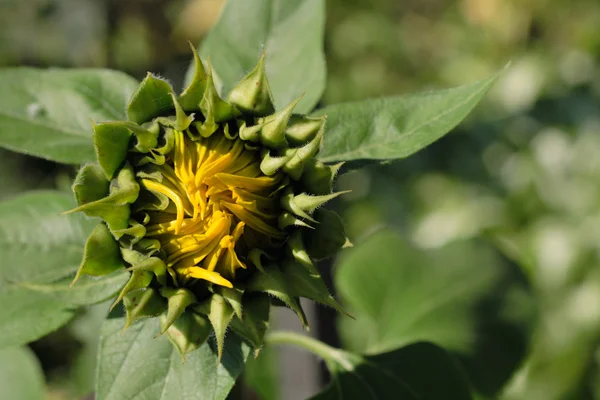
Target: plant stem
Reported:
[(315, 346)]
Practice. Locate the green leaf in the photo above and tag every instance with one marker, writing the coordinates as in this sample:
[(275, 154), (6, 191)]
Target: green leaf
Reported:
[(87, 291), (263, 375), (138, 365), (21, 173), (21, 377), (27, 315), (38, 244), (420, 371), (396, 127), (40, 249), (81, 371), (455, 297), (48, 113), (402, 295), (291, 32)]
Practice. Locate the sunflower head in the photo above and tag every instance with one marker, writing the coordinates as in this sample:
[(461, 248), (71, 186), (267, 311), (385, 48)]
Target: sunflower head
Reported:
[(213, 206)]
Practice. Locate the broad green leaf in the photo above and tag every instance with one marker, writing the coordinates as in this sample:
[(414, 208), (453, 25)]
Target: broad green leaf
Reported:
[(81, 374), (404, 295), (88, 290), (396, 127), (138, 365), (41, 249), (27, 315), (21, 377), (21, 173), (401, 295), (420, 371), (48, 113), (262, 374), (291, 32), (38, 244)]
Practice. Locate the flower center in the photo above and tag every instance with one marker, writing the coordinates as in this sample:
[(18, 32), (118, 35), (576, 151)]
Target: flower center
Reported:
[(220, 206)]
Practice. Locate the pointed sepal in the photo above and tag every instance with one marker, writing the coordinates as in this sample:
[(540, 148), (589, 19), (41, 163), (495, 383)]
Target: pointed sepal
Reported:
[(151, 99), (274, 126), (133, 234), (303, 204), (271, 164), (256, 255), (90, 184), (215, 109), (318, 178), (140, 251), (111, 143), (178, 300), (328, 237), (249, 133), (302, 129), (188, 332), (299, 254), (114, 209), (293, 159), (287, 203), (101, 254), (191, 97), (252, 94), (138, 280), (274, 283), (303, 283), (181, 121), (287, 219), (295, 166), (233, 297), (219, 313), (255, 322), (143, 303), (154, 265), (145, 139)]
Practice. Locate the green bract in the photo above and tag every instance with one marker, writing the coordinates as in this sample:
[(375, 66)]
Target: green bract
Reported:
[(212, 206)]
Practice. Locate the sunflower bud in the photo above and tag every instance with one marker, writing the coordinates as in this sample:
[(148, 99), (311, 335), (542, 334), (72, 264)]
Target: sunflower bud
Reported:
[(212, 206)]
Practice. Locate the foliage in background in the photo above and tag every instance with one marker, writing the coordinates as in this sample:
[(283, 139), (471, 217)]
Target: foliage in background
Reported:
[(520, 176)]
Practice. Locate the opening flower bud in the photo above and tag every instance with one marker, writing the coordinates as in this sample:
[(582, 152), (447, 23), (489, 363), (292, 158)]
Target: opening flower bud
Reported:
[(201, 196)]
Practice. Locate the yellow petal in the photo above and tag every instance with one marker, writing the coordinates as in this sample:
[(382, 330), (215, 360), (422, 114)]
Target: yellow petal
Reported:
[(211, 276)]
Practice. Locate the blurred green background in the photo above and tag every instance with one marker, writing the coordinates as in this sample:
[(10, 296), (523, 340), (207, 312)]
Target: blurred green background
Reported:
[(487, 242)]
